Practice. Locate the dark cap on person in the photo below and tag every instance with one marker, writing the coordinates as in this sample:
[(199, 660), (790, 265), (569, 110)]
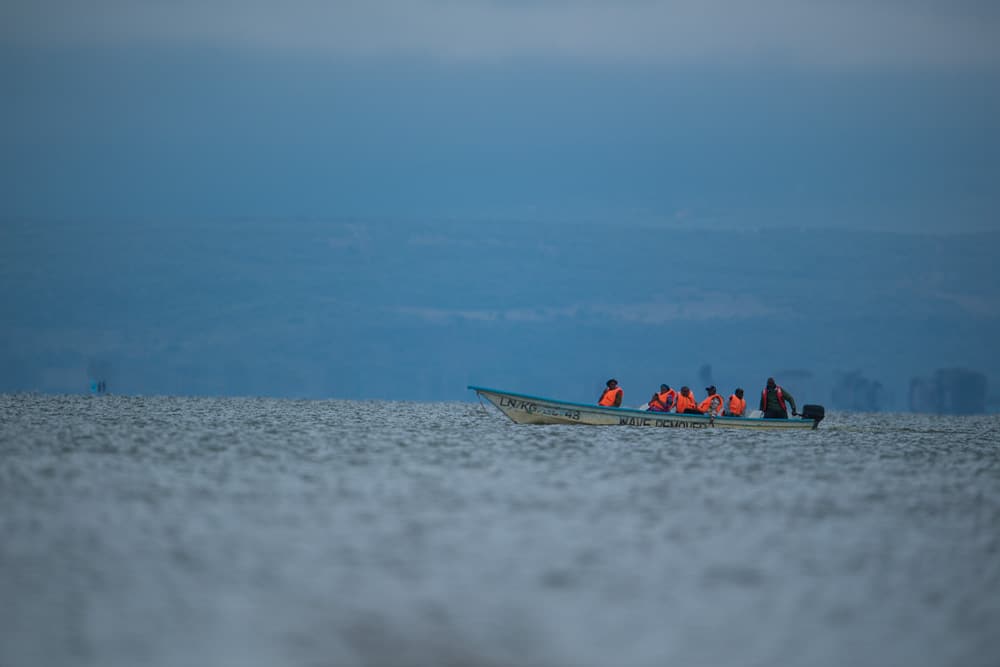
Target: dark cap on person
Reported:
[(770, 382), (710, 388)]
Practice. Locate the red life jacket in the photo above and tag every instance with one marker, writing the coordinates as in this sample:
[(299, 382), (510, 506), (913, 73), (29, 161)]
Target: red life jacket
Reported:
[(609, 395), (781, 398)]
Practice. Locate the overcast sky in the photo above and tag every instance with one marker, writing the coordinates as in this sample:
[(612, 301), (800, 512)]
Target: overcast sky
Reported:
[(860, 114), (835, 33)]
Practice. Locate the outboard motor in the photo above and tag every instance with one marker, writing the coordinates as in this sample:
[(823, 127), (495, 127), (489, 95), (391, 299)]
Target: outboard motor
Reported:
[(814, 412)]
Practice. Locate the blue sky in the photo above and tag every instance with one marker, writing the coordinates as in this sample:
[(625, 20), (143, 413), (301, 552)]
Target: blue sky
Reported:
[(377, 135)]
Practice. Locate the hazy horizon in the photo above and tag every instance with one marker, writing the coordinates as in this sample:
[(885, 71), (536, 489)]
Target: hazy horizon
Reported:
[(416, 311)]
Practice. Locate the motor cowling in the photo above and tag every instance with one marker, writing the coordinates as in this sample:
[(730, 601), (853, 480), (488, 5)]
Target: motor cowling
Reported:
[(814, 412)]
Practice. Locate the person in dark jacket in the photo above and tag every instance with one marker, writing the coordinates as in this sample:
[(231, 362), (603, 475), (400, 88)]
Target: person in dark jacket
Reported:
[(773, 401)]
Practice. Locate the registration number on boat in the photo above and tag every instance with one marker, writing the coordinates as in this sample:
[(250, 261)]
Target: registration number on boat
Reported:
[(534, 408)]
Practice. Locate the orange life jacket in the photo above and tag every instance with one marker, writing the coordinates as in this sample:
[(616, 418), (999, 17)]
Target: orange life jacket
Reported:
[(685, 402), (662, 401), (737, 405), (706, 405), (609, 395), (671, 399)]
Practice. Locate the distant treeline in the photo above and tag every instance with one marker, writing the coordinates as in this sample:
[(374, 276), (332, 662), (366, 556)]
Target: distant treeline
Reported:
[(953, 391)]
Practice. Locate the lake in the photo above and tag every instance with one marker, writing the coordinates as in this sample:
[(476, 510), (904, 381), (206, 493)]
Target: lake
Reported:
[(249, 531)]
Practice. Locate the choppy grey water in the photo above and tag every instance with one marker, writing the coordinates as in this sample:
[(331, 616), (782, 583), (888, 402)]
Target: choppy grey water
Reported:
[(197, 531)]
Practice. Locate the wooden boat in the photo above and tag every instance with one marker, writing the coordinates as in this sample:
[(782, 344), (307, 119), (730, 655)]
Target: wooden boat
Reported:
[(525, 409)]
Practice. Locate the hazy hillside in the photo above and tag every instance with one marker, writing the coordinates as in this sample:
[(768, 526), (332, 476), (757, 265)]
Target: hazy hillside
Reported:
[(418, 310)]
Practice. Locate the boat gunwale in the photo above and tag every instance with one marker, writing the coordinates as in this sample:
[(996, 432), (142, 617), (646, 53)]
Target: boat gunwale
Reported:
[(600, 408)]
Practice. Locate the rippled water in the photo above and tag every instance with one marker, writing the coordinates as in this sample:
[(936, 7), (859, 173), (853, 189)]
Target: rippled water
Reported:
[(195, 531)]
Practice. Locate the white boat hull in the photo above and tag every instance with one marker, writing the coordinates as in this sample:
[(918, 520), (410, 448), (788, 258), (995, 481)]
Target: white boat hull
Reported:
[(525, 409)]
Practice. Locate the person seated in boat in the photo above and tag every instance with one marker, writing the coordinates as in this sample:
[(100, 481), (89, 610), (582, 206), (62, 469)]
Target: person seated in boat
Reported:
[(686, 403), (773, 399), (713, 403), (663, 400), (737, 404), (612, 396)]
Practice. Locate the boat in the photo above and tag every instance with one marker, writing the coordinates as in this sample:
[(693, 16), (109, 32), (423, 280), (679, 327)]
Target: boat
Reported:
[(526, 409)]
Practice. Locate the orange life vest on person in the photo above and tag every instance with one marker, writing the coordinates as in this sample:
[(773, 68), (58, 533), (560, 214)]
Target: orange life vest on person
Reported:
[(706, 405), (671, 399), (737, 405), (781, 399), (662, 401), (685, 402), (609, 395)]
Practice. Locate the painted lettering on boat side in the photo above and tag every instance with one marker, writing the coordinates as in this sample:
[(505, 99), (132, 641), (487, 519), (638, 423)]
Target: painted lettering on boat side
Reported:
[(532, 408), (517, 404), (665, 423)]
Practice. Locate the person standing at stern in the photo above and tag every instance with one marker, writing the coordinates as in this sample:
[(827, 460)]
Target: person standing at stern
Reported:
[(773, 400)]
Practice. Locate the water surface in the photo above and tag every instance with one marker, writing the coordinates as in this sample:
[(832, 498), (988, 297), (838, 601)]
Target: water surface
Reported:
[(229, 531)]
